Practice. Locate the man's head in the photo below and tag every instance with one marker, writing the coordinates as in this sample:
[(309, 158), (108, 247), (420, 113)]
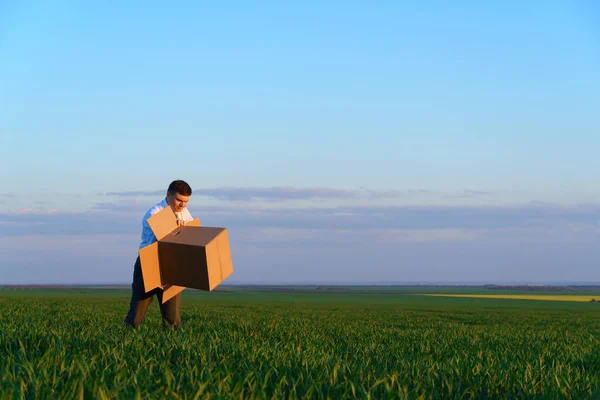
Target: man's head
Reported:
[(178, 194)]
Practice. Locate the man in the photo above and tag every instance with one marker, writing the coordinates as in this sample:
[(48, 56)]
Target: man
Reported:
[(178, 195)]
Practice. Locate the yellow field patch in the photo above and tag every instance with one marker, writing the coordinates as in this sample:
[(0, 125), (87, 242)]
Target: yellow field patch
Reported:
[(579, 298)]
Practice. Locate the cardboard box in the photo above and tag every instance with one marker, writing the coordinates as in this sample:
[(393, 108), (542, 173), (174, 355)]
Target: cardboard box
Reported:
[(189, 256)]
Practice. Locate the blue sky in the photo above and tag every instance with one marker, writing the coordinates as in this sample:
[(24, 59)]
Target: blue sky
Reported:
[(344, 141)]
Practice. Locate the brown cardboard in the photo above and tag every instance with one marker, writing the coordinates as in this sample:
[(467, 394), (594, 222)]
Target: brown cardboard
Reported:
[(171, 291), (189, 256), (150, 267), (194, 222), (162, 223)]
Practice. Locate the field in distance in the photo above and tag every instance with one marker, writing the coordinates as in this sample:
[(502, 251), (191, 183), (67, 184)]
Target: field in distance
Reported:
[(543, 297), (299, 342)]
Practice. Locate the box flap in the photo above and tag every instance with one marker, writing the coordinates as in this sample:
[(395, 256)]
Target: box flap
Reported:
[(162, 223), (171, 291), (193, 235), (219, 260), (225, 255), (194, 222), (150, 267)]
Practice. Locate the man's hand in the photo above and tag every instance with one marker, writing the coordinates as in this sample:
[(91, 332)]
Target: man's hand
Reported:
[(180, 221)]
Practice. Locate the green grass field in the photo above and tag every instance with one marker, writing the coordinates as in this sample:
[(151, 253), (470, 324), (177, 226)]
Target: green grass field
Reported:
[(250, 344)]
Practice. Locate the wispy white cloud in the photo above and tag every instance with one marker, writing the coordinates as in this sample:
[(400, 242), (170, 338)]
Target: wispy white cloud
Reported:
[(85, 245), (36, 211), (135, 193), (88, 258), (316, 243), (124, 217), (42, 222), (352, 236), (405, 217), (468, 194), (276, 193), (53, 248), (122, 207), (283, 193)]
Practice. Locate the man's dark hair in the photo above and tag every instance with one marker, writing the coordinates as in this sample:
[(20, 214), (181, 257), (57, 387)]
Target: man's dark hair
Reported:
[(180, 187)]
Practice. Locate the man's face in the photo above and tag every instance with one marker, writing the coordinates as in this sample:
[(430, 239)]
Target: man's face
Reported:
[(177, 201)]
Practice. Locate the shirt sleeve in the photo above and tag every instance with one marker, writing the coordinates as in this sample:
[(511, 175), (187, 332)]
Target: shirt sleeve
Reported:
[(187, 217), (147, 235)]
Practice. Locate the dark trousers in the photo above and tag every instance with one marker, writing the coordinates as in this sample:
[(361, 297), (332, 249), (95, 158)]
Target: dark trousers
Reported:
[(140, 300)]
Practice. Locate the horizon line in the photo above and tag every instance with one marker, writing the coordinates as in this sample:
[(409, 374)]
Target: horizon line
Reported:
[(418, 283)]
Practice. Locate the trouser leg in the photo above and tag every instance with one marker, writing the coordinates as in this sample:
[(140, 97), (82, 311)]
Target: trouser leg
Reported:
[(170, 310), (140, 300)]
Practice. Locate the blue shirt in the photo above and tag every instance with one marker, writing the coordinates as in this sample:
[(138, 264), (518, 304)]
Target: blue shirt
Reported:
[(147, 235)]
